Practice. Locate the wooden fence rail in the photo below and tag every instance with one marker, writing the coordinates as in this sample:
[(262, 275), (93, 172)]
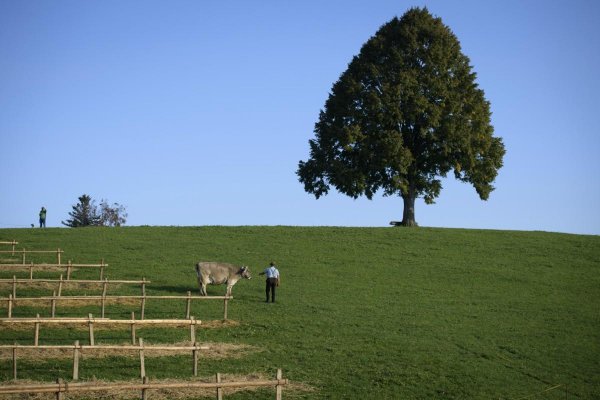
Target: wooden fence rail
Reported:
[(77, 348), (61, 282), (90, 321), (103, 299), (25, 252), (61, 387), (69, 266), (12, 243)]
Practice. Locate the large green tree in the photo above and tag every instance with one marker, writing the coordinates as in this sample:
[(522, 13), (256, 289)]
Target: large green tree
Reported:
[(405, 113)]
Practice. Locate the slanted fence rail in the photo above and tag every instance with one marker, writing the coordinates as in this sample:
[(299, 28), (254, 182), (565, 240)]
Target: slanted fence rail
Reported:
[(61, 387), (69, 266), (91, 321), (54, 299), (62, 282)]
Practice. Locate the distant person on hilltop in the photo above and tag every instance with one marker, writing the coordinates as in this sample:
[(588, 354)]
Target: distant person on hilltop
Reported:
[(43, 217), (272, 280)]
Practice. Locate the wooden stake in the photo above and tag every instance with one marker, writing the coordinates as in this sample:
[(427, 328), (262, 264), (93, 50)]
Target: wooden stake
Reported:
[(104, 298), (59, 395), (53, 304), (144, 390), (195, 359), (143, 306), (24, 257), (30, 271), (278, 388), (188, 305), (14, 286), (58, 255), (69, 270), (10, 305), (101, 269), (225, 310), (36, 336), (76, 361), (91, 325), (132, 328), (14, 361), (192, 330), (219, 388), (60, 284), (142, 364)]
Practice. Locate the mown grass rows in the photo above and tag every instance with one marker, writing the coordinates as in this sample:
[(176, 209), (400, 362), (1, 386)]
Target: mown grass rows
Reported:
[(366, 312)]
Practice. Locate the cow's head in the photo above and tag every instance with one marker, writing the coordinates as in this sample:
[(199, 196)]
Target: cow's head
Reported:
[(245, 272)]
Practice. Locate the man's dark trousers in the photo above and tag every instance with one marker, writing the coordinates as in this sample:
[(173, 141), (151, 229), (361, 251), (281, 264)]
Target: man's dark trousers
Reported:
[(271, 285)]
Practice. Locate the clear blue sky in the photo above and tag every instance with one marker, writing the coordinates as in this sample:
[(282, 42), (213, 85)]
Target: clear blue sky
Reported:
[(197, 112)]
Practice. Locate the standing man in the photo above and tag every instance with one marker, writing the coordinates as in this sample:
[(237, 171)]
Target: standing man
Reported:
[(272, 280), (43, 217)]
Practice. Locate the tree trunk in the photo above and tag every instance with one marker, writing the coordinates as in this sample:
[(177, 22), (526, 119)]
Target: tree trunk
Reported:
[(408, 216)]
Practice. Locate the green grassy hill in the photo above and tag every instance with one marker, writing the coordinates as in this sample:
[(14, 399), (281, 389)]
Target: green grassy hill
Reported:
[(362, 312)]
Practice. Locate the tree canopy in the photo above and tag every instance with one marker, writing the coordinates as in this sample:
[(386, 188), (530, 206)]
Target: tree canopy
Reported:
[(405, 113)]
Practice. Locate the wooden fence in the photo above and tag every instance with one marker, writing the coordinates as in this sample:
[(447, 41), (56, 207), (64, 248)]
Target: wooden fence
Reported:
[(69, 266), (12, 243), (25, 252), (61, 282), (61, 387), (103, 299), (90, 321), (78, 348)]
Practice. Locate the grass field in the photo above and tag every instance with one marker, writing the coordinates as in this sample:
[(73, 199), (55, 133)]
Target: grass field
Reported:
[(362, 313)]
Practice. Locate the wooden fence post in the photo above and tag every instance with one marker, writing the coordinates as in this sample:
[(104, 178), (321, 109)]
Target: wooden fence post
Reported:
[(58, 255), (59, 395), (76, 361), (133, 328), (14, 287), (53, 304), (102, 269), (195, 359), (142, 364), (144, 390), (24, 257), (60, 284), (143, 307), (143, 286), (69, 266), (10, 305), (103, 301), (30, 271), (91, 327), (278, 388), (14, 361), (188, 305), (225, 309), (192, 330), (36, 335), (104, 286), (219, 388)]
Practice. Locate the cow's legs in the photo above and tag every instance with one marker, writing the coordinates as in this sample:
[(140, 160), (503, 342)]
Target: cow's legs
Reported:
[(202, 287)]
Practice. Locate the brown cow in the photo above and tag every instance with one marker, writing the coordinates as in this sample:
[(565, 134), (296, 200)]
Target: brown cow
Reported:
[(215, 273)]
